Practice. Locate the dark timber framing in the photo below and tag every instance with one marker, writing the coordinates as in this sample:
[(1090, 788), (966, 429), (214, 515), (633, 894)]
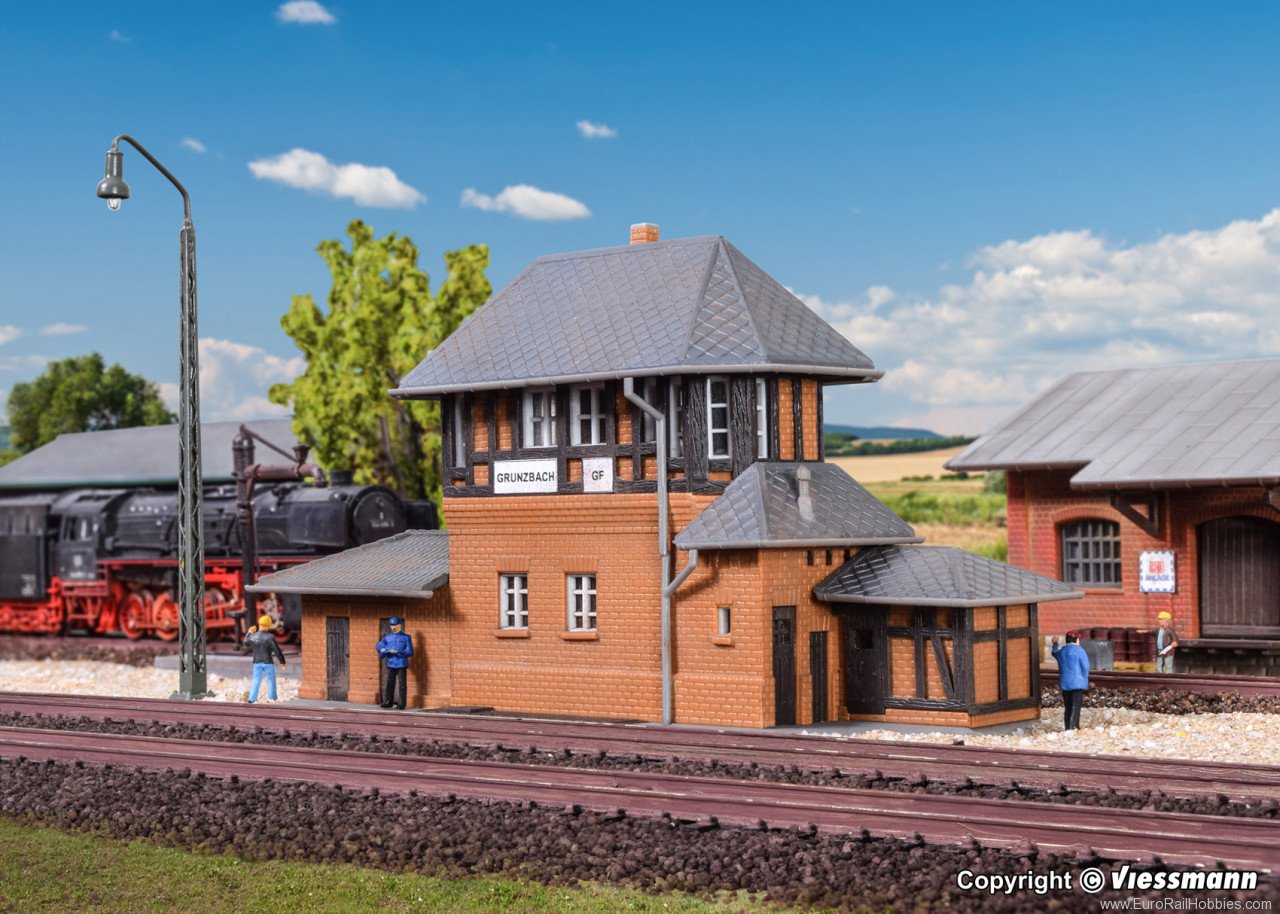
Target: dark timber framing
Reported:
[(797, 416)]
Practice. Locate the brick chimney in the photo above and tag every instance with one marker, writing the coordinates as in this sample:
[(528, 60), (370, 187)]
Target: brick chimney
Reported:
[(804, 501), (643, 232)]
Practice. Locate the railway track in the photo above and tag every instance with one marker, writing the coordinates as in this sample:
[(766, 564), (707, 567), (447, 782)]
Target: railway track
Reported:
[(1117, 834), (1117, 679), (950, 763)]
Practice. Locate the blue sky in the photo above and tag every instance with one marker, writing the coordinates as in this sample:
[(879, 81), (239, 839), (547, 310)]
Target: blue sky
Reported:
[(982, 196)]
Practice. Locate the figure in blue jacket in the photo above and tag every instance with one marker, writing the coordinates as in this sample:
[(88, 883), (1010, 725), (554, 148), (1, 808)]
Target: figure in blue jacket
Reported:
[(1073, 678), (396, 647)]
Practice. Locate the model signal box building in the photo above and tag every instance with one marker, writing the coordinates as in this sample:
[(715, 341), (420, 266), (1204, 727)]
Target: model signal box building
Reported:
[(641, 526)]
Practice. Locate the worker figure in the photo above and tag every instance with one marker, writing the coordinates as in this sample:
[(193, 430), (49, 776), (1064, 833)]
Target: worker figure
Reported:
[(1073, 678), (265, 651), (1166, 643), (396, 647)]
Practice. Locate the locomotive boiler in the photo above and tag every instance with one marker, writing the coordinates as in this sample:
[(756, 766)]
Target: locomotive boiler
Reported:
[(104, 560)]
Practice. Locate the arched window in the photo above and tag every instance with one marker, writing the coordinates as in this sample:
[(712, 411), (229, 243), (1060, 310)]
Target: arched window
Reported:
[(1091, 553)]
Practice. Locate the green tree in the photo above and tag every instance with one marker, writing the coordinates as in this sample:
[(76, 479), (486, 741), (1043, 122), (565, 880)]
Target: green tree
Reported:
[(382, 319), (81, 394)]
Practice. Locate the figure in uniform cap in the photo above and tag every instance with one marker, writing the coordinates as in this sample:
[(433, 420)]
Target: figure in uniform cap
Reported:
[(1073, 678), (1166, 643), (396, 647), (265, 651)]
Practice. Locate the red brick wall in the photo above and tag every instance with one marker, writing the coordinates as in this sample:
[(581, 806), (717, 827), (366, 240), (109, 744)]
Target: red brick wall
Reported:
[(1041, 501)]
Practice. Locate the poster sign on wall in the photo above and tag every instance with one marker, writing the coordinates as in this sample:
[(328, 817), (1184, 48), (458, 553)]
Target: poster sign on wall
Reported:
[(1156, 573), (597, 474), (524, 477)]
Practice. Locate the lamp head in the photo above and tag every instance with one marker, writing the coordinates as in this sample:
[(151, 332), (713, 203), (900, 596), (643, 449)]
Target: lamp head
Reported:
[(113, 188)]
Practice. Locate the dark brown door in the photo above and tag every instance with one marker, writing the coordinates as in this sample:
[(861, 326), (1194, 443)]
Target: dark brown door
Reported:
[(784, 666), (818, 673), (1239, 577), (866, 659), (337, 653)]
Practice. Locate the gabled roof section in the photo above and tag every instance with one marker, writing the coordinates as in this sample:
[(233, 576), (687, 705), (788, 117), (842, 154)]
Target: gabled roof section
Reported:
[(760, 509), (409, 565), (936, 576), (691, 305), (147, 455), (1175, 425)]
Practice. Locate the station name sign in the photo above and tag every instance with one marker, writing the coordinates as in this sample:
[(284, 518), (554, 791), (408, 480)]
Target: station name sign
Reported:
[(523, 477), (1156, 572)]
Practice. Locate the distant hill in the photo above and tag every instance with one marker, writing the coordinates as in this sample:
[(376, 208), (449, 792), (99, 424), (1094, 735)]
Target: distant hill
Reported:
[(866, 432)]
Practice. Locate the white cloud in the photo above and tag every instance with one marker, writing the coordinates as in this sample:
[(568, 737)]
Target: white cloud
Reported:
[(1034, 310), (527, 202), (368, 185), (9, 333), (234, 378), (115, 35), (61, 329), (305, 12), (193, 144), (22, 362), (596, 131)]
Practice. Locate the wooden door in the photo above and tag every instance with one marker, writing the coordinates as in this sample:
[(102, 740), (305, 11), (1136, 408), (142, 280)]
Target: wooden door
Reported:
[(337, 654), (818, 673), (1239, 577), (784, 666), (866, 659)]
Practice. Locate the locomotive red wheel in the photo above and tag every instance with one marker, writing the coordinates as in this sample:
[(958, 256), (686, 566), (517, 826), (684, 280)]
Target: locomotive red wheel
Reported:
[(135, 614), (165, 613), (6, 617)]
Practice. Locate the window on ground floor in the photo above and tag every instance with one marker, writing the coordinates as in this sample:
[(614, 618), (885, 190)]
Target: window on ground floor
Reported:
[(513, 600), (1091, 553), (582, 602)]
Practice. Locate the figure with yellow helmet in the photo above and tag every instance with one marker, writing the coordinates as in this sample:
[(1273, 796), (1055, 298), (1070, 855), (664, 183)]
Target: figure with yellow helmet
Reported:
[(265, 652), (1166, 643)]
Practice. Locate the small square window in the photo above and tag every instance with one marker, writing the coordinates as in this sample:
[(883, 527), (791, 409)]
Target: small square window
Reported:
[(582, 602), (513, 601), (587, 418), (724, 621)]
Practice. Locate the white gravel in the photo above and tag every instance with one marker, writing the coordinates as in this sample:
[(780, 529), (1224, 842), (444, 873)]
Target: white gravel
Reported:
[(92, 677), (1247, 739)]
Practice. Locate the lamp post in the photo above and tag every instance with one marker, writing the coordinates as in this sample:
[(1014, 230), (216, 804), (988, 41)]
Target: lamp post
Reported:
[(192, 670)]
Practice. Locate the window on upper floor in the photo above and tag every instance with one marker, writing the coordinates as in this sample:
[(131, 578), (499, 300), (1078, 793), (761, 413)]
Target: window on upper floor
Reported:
[(586, 414), (724, 620), (540, 417), (1091, 553), (459, 442), (513, 597), (719, 445), (582, 602), (762, 419), (675, 417), (649, 388)]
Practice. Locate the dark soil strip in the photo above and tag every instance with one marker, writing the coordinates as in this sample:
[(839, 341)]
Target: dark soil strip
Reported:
[(273, 820), (1152, 800), (1170, 701), (107, 650)]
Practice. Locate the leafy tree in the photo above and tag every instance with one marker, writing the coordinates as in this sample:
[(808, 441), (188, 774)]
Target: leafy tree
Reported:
[(81, 394), (382, 320)]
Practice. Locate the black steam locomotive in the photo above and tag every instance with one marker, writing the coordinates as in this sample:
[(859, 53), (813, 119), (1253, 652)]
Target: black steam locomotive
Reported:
[(105, 560)]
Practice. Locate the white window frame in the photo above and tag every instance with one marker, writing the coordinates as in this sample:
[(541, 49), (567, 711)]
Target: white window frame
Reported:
[(547, 397), (459, 445), (712, 429), (675, 417), (580, 596), (594, 417), (762, 419), (724, 620), (513, 600), (648, 424)]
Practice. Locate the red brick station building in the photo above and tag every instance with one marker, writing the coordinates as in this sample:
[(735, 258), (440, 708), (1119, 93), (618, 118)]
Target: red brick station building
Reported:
[(1153, 489), (640, 524)]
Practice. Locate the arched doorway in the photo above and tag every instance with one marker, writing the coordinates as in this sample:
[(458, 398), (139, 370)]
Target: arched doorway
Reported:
[(1239, 577)]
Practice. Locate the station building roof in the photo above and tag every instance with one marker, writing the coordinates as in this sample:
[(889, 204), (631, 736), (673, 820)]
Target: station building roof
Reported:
[(686, 306), (1165, 427), (936, 576), (761, 509), (412, 565), (144, 456)]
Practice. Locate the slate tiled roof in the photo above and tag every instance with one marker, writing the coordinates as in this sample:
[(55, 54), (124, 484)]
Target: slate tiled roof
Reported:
[(936, 576), (1177, 425), (691, 305), (760, 509), (132, 456), (411, 564)]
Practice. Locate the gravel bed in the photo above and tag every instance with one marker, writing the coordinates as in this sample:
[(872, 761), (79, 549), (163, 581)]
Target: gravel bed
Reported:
[(275, 820), (1153, 800), (1171, 701), (131, 653), (91, 677)]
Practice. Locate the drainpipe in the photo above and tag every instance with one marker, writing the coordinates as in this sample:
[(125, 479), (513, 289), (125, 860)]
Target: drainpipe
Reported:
[(669, 586)]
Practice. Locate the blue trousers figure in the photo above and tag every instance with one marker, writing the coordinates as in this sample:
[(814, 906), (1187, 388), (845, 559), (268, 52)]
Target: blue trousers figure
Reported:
[(261, 670), (265, 652)]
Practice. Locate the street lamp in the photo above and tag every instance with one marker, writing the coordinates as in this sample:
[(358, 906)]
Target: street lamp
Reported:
[(192, 670)]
